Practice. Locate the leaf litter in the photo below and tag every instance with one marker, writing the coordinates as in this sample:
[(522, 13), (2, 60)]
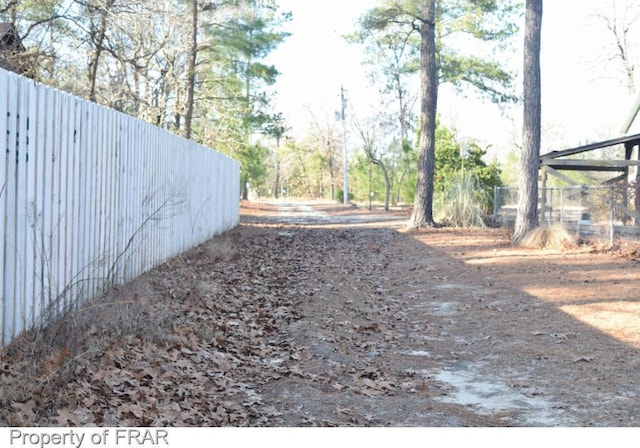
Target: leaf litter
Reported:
[(293, 320)]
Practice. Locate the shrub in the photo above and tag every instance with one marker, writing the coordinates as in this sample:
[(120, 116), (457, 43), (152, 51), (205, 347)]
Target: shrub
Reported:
[(462, 203)]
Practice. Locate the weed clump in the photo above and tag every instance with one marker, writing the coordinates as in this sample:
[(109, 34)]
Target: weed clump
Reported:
[(555, 236), (462, 203)]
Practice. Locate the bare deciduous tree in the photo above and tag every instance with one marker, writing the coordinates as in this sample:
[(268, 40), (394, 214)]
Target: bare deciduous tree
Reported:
[(371, 142), (620, 21)]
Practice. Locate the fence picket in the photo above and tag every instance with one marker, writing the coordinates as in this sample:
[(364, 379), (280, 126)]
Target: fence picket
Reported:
[(3, 202), (31, 200), (21, 186), (11, 249)]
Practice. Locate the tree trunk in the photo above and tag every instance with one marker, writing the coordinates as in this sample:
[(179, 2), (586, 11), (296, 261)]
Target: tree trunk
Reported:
[(244, 188), (527, 216), (191, 69), (277, 180), (98, 41), (387, 186), (422, 215), (332, 178)]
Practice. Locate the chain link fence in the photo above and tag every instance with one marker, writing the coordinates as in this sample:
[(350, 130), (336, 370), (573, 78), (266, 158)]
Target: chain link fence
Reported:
[(599, 213)]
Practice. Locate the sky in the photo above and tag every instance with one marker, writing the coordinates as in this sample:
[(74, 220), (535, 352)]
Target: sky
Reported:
[(582, 98), (315, 61)]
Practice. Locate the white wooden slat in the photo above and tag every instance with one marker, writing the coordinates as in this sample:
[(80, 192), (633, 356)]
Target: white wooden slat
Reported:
[(11, 251), (140, 215), (172, 238), (33, 199), (19, 217), (60, 184), (100, 182), (220, 192), (186, 166), (74, 169), (134, 198), (40, 206), (75, 289), (125, 231), (199, 213), (50, 233), (22, 280), (42, 236), (122, 203), (129, 244), (91, 186), (114, 154), (64, 210), (103, 200), (208, 199), (102, 149), (154, 156), (223, 191), (146, 191), (115, 209), (82, 183), (123, 206), (127, 199), (59, 179), (158, 155), (97, 185), (109, 196), (106, 200), (50, 205), (98, 217), (45, 233), (67, 198), (94, 188), (30, 140), (5, 336), (116, 191), (181, 189), (96, 201), (164, 173)]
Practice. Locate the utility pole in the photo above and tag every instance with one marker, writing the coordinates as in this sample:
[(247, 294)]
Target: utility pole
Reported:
[(345, 184)]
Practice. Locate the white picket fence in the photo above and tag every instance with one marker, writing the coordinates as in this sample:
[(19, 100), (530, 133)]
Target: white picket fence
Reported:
[(90, 197)]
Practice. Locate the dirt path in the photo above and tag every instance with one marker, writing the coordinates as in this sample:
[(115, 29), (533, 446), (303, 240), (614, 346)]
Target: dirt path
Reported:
[(451, 328), (321, 314)]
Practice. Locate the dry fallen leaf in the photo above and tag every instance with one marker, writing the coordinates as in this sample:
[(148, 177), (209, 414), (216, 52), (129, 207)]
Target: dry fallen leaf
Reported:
[(583, 359)]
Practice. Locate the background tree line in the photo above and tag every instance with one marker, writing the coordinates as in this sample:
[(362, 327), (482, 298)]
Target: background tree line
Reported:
[(194, 67), (197, 67), (412, 47)]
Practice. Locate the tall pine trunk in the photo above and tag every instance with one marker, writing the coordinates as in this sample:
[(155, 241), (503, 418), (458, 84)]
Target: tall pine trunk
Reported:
[(191, 69), (527, 216), (422, 215)]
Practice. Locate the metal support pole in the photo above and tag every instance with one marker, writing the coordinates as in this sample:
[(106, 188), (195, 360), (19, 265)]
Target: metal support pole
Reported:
[(611, 219), (345, 183), (495, 203), (370, 190)]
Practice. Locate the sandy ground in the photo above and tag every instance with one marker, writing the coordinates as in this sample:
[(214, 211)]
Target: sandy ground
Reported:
[(317, 314), (450, 327)]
